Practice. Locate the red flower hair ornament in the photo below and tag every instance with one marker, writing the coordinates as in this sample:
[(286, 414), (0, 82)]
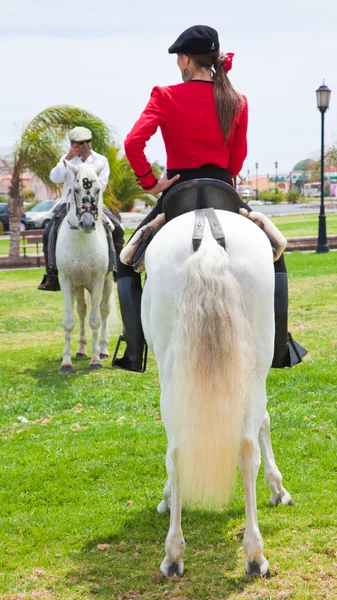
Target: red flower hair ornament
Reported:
[(227, 61)]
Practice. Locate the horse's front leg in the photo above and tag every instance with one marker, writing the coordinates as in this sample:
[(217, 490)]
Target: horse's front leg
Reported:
[(249, 460), (175, 543), (68, 324), (105, 310), (82, 311), (95, 323), (272, 476)]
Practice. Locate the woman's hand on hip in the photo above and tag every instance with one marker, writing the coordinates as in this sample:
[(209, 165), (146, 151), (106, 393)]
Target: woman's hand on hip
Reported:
[(163, 184)]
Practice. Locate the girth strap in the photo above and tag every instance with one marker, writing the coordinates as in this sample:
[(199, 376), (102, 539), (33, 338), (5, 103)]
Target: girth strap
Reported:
[(199, 227)]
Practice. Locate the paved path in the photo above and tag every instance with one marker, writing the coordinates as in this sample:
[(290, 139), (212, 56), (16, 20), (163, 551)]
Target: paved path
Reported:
[(133, 219)]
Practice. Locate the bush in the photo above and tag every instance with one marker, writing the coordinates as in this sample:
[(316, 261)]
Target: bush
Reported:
[(3, 199), (1, 228), (293, 196), (28, 196), (272, 197)]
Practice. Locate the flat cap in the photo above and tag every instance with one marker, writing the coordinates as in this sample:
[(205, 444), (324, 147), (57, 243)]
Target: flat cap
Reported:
[(80, 134), (199, 39)]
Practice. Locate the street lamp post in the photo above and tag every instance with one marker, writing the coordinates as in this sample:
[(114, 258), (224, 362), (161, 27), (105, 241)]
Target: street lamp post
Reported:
[(248, 176), (323, 100), (276, 165), (257, 183)]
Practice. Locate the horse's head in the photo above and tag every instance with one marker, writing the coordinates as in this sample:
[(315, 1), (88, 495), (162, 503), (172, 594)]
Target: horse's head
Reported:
[(86, 194)]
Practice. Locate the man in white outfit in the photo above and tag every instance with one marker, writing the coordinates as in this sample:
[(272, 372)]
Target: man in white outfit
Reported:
[(80, 152)]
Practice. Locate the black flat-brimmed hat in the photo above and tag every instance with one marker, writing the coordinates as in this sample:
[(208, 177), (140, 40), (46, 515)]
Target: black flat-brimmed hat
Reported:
[(199, 39)]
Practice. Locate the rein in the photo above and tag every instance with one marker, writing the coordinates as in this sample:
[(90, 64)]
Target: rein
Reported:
[(89, 204)]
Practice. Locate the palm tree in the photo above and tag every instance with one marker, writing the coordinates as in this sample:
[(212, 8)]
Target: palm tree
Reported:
[(39, 150), (123, 187)]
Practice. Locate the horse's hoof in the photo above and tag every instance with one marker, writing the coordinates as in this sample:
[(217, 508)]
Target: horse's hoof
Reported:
[(95, 366), (163, 507), (81, 355), (104, 355), (67, 369), (169, 569), (253, 569), (285, 499)]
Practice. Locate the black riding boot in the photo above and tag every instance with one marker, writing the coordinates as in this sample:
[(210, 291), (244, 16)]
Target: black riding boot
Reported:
[(130, 294), (50, 281), (287, 352)]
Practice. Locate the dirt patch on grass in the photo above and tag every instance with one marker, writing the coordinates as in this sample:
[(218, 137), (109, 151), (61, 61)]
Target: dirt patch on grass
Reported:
[(17, 285), (34, 595), (38, 338)]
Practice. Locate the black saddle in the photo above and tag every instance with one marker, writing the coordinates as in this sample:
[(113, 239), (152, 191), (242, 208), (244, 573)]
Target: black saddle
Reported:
[(201, 193)]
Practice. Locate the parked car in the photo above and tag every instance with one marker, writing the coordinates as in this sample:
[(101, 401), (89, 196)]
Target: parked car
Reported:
[(246, 192), (41, 213), (5, 219)]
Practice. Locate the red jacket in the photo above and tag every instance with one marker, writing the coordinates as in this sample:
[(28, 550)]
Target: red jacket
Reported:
[(193, 137)]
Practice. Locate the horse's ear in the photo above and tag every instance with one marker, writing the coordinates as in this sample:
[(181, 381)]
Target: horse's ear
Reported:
[(71, 167), (98, 167)]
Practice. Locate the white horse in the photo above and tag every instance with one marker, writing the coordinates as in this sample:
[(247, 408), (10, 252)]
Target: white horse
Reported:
[(82, 260), (208, 317)]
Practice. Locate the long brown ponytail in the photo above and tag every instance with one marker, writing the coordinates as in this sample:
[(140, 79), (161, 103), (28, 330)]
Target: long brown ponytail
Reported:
[(228, 102)]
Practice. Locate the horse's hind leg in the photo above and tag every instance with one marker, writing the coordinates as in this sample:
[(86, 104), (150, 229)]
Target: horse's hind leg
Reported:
[(272, 477), (82, 311), (249, 460), (165, 505), (175, 543), (105, 310)]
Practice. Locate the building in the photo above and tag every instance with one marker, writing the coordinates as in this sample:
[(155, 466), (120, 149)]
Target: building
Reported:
[(304, 177), (30, 181)]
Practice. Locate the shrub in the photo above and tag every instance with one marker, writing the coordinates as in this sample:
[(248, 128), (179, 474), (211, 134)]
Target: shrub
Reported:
[(28, 196), (1, 228), (3, 199), (293, 196), (274, 198)]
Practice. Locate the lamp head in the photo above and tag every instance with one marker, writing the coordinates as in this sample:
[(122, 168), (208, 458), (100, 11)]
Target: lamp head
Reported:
[(323, 94)]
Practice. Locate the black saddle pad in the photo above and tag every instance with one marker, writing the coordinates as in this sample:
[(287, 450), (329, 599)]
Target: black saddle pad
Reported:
[(201, 193)]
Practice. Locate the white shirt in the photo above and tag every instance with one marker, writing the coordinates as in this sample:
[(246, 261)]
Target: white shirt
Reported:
[(60, 174)]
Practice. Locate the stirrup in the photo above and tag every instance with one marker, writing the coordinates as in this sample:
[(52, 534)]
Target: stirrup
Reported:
[(126, 368), (288, 355)]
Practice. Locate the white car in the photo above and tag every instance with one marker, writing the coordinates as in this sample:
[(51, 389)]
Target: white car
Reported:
[(40, 215), (246, 192)]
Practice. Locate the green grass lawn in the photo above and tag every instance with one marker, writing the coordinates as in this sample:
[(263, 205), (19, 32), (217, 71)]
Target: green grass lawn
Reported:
[(80, 481), (302, 225)]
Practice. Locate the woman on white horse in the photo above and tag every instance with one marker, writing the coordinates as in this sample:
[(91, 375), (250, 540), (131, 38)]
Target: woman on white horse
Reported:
[(204, 126)]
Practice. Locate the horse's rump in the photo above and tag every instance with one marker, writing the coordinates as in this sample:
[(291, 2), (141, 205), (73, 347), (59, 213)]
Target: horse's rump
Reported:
[(198, 320)]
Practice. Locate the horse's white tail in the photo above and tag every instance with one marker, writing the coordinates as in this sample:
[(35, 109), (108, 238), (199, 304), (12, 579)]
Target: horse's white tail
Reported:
[(214, 358)]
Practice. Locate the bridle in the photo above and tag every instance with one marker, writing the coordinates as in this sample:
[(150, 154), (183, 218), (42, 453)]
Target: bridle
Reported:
[(89, 203)]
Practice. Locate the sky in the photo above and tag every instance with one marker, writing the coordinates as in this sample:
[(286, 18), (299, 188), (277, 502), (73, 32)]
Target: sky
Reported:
[(106, 55)]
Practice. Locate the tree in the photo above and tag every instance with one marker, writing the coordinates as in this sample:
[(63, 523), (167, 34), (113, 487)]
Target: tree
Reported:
[(123, 187), (330, 160), (39, 150), (331, 156)]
